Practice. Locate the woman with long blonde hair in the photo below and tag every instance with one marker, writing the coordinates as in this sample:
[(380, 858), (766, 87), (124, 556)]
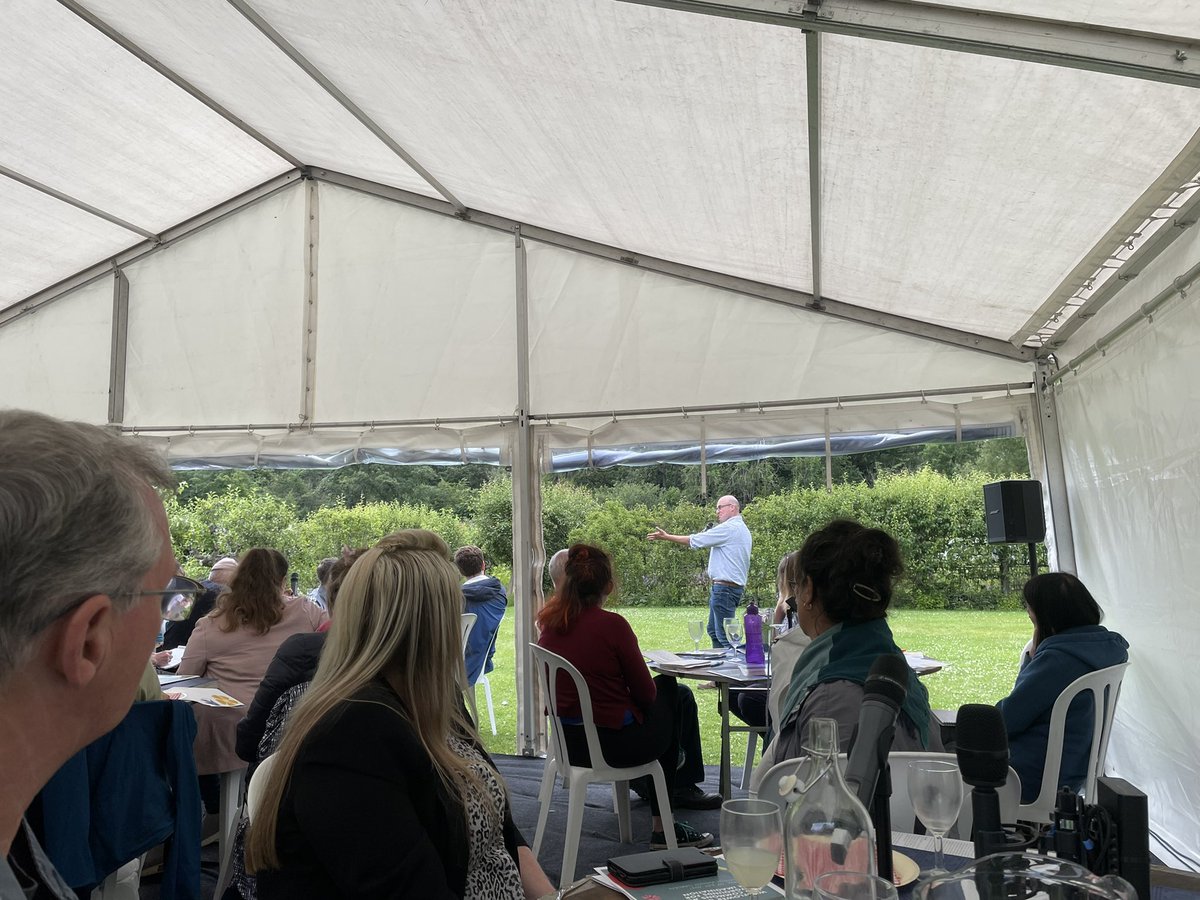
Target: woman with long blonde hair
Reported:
[(380, 786)]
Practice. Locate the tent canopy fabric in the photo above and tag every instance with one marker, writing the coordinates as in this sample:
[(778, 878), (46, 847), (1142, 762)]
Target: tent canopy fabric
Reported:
[(531, 232)]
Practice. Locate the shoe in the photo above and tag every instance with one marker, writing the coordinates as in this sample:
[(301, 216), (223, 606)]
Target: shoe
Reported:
[(707, 686), (693, 797), (685, 836)]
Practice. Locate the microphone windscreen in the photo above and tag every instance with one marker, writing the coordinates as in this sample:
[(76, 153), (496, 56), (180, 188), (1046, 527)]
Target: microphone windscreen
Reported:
[(887, 678), (981, 745)]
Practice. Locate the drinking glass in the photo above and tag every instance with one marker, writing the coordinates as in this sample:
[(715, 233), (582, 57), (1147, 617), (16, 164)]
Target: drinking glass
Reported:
[(752, 837), (696, 630), (936, 792), (847, 885), (733, 631)]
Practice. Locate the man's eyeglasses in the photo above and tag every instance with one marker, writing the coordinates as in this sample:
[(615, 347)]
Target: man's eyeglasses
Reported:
[(723, 505), (178, 598)]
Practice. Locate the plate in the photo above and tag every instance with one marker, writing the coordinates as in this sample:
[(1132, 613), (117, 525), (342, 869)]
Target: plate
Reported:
[(904, 870)]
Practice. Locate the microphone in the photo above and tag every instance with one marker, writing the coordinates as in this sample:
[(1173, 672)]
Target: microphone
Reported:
[(883, 693), (982, 752), (867, 774)]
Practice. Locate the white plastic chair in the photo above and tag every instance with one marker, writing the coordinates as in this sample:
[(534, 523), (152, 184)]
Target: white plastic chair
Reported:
[(254, 791), (469, 692), (577, 778), (1105, 687), (900, 808)]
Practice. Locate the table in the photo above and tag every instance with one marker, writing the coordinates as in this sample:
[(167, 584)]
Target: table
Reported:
[(728, 671)]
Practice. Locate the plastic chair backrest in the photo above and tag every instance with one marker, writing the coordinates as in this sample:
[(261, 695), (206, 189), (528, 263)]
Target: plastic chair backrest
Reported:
[(254, 791), (1105, 687), (900, 808), (468, 623), (550, 666)]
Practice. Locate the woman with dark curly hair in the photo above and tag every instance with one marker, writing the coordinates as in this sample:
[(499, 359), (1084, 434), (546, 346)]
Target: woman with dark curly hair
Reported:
[(637, 717), (1068, 643), (843, 578), (235, 642)]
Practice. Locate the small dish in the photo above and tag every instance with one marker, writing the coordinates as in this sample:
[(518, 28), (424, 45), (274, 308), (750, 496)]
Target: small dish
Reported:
[(904, 870)]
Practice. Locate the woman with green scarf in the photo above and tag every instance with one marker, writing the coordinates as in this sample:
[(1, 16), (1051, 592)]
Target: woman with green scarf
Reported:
[(842, 578)]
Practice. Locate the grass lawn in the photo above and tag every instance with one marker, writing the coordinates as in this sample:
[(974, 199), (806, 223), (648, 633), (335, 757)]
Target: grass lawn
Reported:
[(979, 648)]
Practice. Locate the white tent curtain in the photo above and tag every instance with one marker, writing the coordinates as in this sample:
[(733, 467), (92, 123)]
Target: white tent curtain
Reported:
[(1130, 433)]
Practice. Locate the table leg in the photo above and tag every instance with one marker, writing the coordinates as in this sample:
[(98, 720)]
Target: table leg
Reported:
[(725, 764)]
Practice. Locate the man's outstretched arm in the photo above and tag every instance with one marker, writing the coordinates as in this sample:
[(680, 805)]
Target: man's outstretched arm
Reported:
[(659, 535)]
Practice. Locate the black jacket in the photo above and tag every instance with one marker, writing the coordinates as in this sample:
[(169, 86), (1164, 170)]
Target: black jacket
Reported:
[(365, 814), (295, 662)]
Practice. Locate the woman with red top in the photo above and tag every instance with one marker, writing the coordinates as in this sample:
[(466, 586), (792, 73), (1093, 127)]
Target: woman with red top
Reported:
[(636, 716)]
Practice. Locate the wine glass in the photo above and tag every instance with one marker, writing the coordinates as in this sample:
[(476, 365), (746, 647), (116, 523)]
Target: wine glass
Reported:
[(733, 631), (752, 837), (936, 792), (847, 885), (696, 630)]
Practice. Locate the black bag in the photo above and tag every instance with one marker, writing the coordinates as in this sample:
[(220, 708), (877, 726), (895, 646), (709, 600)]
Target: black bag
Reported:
[(660, 866)]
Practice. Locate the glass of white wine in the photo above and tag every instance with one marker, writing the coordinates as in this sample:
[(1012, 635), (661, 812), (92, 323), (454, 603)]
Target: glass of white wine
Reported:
[(696, 630), (936, 792), (752, 837)]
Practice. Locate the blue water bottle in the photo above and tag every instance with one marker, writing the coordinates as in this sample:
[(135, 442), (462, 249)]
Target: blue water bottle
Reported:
[(753, 623)]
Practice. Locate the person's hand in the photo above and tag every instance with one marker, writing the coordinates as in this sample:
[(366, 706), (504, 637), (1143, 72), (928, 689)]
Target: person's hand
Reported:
[(657, 535), (173, 695), (161, 658)]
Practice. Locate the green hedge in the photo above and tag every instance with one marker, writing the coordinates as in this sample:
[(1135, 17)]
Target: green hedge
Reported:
[(938, 521)]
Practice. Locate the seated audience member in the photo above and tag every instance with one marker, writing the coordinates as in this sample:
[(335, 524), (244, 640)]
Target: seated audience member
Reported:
[(637, 718), (85, 558), (178, 633), (755, 707), (1068, 643), (235, 642), (843, 578), (485, 597), (319, 594), (295, 663), (380, 786)]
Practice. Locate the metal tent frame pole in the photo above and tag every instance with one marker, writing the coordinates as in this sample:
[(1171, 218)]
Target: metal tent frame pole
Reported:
[(527, 526), (1055, 493)]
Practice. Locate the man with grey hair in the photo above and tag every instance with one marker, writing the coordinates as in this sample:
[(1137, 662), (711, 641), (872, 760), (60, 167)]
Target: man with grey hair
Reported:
[(85, 555), (728, 562), (557, 568)]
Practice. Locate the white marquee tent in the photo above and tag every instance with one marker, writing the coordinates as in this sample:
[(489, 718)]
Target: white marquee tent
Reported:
[(293, 232)]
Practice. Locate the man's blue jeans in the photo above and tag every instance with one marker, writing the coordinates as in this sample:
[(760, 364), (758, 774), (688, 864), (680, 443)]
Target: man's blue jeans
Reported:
[(723, 602)]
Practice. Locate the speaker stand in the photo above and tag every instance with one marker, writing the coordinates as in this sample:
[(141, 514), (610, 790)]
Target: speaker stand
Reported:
[(1033, 563)]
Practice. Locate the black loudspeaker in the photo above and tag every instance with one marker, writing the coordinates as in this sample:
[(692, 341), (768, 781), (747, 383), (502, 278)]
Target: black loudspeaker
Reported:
[(1013, 510), (1126, 806)]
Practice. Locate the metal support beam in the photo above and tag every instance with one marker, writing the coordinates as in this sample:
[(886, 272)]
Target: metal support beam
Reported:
[(812, 61), (78, 204), (527, 530), (1055, 483), (757, 289), (1075, 45), (143, 249), (337, 94), (308, 381), (119, 349), (1182, 170), (178, 80)]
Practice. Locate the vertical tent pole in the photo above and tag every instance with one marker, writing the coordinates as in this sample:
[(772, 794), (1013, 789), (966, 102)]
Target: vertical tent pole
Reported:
[(703, 461), (1054, 482), (120, 346), (828, 456), (312, 224), (527, 569)]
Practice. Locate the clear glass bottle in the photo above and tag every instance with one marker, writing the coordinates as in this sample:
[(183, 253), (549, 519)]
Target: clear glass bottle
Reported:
[(826, 829), (753, 623)]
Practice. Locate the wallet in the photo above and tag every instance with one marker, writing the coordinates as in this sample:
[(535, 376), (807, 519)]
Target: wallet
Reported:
[(661, 866)]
